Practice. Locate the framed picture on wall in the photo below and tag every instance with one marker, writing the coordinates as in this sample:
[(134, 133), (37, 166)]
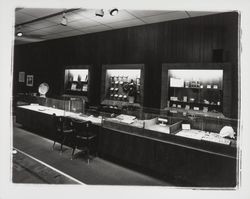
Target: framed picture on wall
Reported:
[(29, 80), (21, 77)]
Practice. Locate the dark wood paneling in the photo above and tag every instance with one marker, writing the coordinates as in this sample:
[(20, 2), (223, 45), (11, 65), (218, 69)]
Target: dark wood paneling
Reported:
[(183, 164), (182, 41)]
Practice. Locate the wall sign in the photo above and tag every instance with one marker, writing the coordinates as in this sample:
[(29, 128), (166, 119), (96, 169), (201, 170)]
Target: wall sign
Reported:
[(21, 77), (29, 80)]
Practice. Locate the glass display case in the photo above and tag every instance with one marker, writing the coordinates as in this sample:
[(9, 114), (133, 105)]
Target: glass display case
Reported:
[(222, 131), (153, 139), (76, 81), (122, 85), (198, 90)]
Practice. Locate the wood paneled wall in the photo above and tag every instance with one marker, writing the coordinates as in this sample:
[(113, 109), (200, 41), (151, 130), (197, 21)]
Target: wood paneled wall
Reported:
[(181, 41)]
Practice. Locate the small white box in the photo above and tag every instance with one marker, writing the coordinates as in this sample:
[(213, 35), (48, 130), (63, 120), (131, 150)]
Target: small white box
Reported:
[(185, 127), (196, 108)]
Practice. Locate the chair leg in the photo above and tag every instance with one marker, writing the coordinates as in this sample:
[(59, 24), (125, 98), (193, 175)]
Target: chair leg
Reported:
[(63, 143), (88, 155), (72, 155), (53, 146)]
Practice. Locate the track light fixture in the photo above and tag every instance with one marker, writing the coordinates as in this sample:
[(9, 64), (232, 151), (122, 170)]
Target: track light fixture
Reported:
[(113, 12), (64, 21), (99, 13)]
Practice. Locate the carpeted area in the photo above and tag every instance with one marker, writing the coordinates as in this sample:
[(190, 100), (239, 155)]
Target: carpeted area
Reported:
[(97, 172), (26, 169)]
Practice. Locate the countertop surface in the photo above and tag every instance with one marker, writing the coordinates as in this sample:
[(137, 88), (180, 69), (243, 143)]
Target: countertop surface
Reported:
[(59, 112), (193, 134)]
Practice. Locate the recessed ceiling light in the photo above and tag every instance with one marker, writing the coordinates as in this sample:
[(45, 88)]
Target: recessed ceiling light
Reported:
[(19, 34)]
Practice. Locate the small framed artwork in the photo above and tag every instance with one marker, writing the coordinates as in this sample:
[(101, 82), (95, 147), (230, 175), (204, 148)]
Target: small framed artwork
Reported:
[(29, 80), (21, 77)]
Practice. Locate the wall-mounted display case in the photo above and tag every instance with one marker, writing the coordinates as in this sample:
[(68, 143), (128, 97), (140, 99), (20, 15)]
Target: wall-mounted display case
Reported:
[(122, 85), (198, 90), (76, 80)]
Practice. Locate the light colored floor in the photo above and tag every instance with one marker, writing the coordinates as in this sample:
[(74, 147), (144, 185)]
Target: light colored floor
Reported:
[(97, 172)]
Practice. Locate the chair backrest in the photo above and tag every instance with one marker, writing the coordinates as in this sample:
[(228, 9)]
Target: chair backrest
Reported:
[(82, 128), (60, 122)]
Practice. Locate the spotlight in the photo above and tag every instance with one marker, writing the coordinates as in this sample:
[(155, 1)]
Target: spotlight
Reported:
[(113, 12), (99, 13), (19, 34), (64, 20)]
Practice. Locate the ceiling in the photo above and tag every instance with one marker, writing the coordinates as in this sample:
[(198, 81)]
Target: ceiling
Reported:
[(84, 21)]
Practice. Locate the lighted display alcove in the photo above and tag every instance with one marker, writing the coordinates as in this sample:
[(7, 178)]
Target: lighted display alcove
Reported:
[(76, 80), (196, 88), (122, 85)]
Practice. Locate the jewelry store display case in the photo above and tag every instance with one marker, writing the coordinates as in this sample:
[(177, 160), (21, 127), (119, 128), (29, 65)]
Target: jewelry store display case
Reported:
[(189, 150), (197, 89), (122, 87), (196, 151), (76, 80)]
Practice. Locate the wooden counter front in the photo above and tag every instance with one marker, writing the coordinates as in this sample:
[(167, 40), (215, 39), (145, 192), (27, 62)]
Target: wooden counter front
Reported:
[(187, 162), (183, 161)]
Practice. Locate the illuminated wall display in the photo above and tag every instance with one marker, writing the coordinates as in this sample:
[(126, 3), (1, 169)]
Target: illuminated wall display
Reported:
[(196, 90), (122, 84), (76, 80)]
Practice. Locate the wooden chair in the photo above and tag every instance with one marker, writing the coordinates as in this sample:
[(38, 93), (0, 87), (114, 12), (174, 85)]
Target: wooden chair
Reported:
[(63, 131), (84, 138)]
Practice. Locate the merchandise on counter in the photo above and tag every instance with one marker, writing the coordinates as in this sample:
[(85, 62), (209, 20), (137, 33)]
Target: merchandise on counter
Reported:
[(196, 108), (191, 100), (187, 107), (205, 109), (227, 131)]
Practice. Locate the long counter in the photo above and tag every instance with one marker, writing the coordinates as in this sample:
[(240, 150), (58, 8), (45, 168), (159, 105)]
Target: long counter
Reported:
[(60, 112), (186, 161)]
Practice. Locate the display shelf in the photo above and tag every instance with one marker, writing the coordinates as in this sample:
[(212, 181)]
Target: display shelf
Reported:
[(199, 88), (196, 89), (195, 103), (76, 80), (122, 84)]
